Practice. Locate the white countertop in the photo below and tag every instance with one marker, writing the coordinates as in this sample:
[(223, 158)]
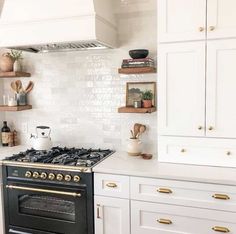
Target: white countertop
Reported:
[(122, 164)]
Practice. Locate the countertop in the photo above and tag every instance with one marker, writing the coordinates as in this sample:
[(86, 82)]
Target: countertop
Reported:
[(122, 164)]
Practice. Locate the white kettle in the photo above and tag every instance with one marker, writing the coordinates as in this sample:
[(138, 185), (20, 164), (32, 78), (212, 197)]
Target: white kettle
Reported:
[(42, 140)]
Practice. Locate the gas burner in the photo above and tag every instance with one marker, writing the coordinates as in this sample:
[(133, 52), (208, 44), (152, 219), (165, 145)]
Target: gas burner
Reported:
[(62, 156)]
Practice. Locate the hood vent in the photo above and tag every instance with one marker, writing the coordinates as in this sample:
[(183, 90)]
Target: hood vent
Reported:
[(57, 25), (62, 47)]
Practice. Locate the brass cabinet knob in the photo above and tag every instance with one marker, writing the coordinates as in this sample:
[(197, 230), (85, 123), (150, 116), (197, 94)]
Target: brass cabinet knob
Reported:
[(28, 174), (210, 128), (228, 153), (36, 175), (183, 150), (220, 229), (164, 221), (212, 28), (68, 178), (51, 176), (221, 196), (43, 176), (201, 29), (200, 128), (164, 190), (59, 177), (111, 185), (76, 178)]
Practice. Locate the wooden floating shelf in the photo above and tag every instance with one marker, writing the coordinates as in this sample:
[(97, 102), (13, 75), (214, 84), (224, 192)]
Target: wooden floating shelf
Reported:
[(136, 110), (14, 74), (137, 70), (15, 108)]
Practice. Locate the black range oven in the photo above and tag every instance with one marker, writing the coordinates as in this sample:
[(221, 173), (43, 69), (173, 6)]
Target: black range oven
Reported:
[(50, 192), (37, 206)]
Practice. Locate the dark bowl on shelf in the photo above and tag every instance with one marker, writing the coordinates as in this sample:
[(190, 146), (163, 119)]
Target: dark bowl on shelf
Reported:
[(138, 54)]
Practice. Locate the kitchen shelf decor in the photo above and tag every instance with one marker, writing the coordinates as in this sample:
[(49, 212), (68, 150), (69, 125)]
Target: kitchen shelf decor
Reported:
[(14, 74), (135, 98), (15, 108), (137, 70)]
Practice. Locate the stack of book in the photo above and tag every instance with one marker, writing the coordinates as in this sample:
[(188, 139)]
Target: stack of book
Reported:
[(132, 63)]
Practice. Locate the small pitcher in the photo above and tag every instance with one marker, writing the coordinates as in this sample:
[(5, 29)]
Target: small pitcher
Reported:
[(134, 147)]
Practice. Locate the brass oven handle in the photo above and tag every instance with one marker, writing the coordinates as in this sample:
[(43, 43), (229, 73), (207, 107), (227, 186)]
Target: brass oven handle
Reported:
[(98, 211), (221, 196), (220, 229), (111, 185), (43, 190), (164, 221), (164, 190)]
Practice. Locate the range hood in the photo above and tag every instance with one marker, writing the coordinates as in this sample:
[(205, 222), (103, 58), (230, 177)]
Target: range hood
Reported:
[(57, 25)]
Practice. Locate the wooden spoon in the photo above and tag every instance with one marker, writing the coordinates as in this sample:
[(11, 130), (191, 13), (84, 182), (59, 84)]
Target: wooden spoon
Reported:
[(13, 86), (29, 87), (142, 129), (136, 129), (18, 86)]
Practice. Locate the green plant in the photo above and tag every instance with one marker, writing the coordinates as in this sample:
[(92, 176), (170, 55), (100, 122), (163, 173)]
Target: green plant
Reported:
[(16, 55), (147, 95)]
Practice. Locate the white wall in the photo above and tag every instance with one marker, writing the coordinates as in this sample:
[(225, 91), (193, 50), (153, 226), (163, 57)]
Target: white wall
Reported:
[(77, 94)]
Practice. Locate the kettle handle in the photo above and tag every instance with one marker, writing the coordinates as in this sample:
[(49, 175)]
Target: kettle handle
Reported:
[(43, 127)]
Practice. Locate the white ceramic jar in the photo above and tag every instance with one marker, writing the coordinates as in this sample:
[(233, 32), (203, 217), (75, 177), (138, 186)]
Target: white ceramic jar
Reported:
[(134, 147)]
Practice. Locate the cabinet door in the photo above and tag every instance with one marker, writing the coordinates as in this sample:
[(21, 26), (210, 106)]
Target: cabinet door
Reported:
[(221, 19), (111, 215), (182, 89), (181, 20), (221, 89)]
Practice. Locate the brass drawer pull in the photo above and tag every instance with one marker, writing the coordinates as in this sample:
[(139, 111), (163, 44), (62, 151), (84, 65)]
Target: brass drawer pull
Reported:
[(221, 196), (220, 229), (164, 221), (164, 190), (111, 185), (212, 28), (201, 29), (98, 211)]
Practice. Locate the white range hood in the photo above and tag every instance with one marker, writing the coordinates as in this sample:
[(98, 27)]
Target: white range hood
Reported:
[(57, 25)]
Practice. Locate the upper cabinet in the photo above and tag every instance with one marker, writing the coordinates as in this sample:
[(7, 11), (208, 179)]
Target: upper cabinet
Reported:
[(181, 88), (221, 19), (181, 20), (188, 20)]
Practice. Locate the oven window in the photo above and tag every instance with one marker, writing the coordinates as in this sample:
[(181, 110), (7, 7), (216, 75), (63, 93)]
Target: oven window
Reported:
[(47, 206)]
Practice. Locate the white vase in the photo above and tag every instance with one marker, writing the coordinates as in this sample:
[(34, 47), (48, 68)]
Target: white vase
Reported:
[(17, 66), (134, 147)]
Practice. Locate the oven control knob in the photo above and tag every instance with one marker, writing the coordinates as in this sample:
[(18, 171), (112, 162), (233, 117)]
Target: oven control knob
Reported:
[(28, 174), (51, 176), (43, 176), (68, 178), (76, 178), (59, 177), (36, 175)]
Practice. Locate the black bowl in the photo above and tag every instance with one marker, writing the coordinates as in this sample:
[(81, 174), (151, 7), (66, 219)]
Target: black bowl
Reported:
[(138, 54)]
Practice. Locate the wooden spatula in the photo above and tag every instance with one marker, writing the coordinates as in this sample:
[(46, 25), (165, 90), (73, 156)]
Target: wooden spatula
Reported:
[(13, 86), (29, 87)]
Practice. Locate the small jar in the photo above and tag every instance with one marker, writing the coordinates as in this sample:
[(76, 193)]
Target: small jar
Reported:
[(21, 99), (134, 147)]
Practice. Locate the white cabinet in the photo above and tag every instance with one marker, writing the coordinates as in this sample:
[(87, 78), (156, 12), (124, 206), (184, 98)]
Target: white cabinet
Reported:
[(187, 20), (221, 19), (182, 89), (221, 88), (111, 215), (181, 20), (151, 218)]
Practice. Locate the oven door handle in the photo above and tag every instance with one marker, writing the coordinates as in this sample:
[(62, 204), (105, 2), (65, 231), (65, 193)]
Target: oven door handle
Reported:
[(18, 232), (43, 191)]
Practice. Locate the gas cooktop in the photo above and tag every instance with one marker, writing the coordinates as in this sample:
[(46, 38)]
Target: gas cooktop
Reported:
[(60, 157)]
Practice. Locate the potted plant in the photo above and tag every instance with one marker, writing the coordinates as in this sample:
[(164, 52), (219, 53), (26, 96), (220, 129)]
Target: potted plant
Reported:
[(6, 62), (147, 97), (16, 56)]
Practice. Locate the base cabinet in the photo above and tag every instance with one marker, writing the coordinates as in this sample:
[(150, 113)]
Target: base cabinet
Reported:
[(112, 215), (2, 231), (151, 218)]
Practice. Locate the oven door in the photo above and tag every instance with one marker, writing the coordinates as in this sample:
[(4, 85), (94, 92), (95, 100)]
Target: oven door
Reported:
[(46, 208)]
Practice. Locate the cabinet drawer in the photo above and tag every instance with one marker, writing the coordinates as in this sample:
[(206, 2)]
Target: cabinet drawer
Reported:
[(198, 151), (211, 196), (111, 185), (150, 218)]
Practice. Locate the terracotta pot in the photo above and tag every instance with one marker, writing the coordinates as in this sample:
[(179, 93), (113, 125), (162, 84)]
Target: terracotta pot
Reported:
[(147, 103), (6, 63)]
